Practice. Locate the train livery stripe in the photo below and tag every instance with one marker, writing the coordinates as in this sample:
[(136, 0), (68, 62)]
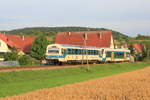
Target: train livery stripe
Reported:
[(54, 57)]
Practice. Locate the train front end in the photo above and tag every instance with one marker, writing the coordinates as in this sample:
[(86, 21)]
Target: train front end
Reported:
[(53, 54)]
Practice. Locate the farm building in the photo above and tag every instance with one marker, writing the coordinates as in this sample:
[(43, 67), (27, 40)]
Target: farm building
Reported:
[(21, 43), (87, 38)]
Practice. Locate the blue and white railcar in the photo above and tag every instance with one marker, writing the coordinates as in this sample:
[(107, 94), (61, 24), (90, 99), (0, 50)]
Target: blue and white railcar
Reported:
[(59, 53), (115, 55)]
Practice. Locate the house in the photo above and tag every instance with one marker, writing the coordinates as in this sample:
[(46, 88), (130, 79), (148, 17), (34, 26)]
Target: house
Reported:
[(87, 38), (138, 47), (21, 43)]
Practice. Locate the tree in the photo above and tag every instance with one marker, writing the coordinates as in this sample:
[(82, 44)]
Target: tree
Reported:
[(38, 48), (131, 48), (147, 43)]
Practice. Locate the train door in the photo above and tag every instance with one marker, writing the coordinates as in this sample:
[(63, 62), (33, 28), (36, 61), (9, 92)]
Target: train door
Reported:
[(103, 55), (125, 56), (112, 56)]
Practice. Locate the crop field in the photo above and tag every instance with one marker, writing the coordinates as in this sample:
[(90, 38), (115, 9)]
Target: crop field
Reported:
[(122, 87), (127, 86)]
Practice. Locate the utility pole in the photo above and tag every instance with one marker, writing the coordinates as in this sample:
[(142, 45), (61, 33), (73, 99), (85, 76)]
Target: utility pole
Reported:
[(82, 51), (86, 51)]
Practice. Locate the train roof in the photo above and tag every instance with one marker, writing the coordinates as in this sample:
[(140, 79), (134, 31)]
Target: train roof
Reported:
[(76, 46), (119, 49), (88, 47)]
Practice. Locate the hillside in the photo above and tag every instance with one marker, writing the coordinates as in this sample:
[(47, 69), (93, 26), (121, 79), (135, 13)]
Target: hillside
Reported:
[(52, 31)]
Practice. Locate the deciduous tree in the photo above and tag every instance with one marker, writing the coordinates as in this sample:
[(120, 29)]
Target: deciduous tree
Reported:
[(38, 48)]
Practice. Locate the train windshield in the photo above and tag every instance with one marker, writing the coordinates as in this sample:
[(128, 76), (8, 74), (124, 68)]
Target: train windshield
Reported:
[(53, 50)]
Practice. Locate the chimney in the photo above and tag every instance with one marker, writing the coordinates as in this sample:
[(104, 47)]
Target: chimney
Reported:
[(23, 37), (69, 33), (99, 35), (85, 36)]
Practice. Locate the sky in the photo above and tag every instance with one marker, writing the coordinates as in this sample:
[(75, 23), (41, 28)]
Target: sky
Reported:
[(130, 17)]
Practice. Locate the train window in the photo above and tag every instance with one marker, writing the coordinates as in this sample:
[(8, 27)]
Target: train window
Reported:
[(76, 51), (128, 54), (84, 52), (53, 51), (119, 54), (79, 51), (89, 52), (99, 52), (96, 52), (73, 51), (92, 52), (62, 51), (69, 51), (108, 54)]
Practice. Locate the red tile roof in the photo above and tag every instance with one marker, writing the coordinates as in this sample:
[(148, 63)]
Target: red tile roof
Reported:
[(23, 43), (138, 47), (93, 38)]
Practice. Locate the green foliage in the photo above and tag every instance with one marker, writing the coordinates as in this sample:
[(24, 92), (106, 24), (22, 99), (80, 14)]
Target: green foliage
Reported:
[(147, 43), (39, 47), (120, 37), (25, 60), (12, 83), (142, 37), (131, 48), (144, 53), (11, 56)]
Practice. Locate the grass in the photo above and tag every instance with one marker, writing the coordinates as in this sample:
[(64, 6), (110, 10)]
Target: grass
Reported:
[(13, 83)]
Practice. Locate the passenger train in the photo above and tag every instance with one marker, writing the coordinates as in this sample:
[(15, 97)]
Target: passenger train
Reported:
[(61, 53)]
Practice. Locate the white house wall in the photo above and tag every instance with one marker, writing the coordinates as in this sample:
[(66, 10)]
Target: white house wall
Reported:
[(3, 46)]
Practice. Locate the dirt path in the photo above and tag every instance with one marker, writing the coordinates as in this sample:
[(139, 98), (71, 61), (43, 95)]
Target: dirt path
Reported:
[(127, 86)]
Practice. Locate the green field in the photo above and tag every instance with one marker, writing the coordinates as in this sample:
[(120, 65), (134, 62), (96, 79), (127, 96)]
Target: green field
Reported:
[(13, 83)]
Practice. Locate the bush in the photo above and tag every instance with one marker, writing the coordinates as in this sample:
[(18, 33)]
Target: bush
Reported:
[(25, 60), (11, 56), (28, 60)]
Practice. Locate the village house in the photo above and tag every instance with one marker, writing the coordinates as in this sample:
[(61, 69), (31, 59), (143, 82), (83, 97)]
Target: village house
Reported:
[(138, 47), (87, 38), (21, 43)]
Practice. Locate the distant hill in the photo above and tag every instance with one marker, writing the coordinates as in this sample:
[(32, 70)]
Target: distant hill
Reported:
[(52, 31)]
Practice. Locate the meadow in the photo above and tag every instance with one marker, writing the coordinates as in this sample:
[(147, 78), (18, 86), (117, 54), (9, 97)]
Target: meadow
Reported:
[(14, 83)]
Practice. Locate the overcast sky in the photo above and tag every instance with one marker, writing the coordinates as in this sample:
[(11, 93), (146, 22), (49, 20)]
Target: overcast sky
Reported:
[(128, 16)]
